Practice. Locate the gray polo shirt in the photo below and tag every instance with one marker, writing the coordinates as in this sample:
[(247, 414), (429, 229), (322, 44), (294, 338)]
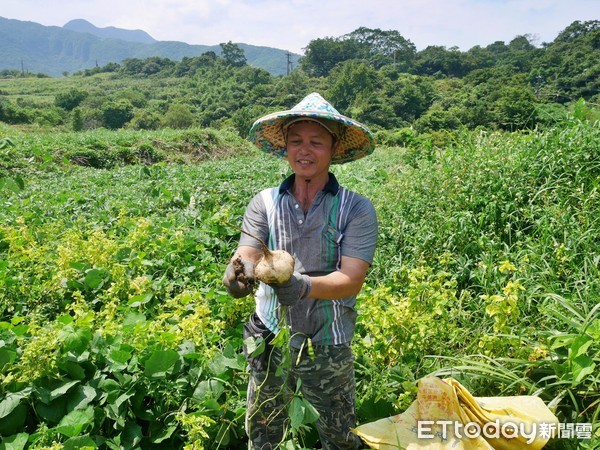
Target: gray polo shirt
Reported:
[(338, 223)]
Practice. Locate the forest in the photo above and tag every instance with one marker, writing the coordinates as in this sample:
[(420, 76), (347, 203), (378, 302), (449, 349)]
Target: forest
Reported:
[(119, 186), (376, 76)]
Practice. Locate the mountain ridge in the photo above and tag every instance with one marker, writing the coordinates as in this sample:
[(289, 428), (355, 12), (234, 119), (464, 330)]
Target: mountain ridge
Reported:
[(53, 50), (84, 26)]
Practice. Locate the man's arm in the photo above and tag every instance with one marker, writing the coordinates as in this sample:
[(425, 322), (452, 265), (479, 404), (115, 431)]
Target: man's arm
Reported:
[(342, 283)]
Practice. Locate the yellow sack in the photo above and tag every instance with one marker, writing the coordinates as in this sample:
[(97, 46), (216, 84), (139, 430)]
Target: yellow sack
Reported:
[(446, 416)]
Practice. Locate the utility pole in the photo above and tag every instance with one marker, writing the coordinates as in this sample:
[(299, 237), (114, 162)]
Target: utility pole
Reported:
[(22, 68)]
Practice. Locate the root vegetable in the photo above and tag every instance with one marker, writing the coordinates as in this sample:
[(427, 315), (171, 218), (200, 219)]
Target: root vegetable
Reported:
[(274, 266)]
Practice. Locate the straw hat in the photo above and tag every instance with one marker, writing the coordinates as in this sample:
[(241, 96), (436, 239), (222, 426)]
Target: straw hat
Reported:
[(268, 132)]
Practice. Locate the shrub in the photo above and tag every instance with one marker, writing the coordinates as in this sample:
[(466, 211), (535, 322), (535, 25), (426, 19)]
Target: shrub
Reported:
[(401, 137), (145, 120), (117, 113), (77, 119), (70, 100), (178, 116)]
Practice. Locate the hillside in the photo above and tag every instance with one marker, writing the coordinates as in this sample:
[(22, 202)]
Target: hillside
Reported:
[(54, 50), (514, 86), (83, 26)]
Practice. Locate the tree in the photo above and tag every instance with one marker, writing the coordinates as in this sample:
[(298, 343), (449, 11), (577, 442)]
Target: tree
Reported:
[(378, 48), (70, 99), (291, 89), (437, 59), (372, 108), (497, 47), (569, 68), (145, 120), (578, 29), (437, 119), (514, 109), (148, 66), (252, 76), (233, 54), (521, 43), (117, 113), (136, 97), (77, 119), (322, 55), (481, 58), (348, 81), (11, 113), (188, 66), (410, 96), (521, 53), (243, 118), (132, 66), (178, 116), (384, 47)]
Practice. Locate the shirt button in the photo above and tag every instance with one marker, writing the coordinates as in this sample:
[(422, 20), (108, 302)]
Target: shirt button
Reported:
[(300, 221), (296, 206)]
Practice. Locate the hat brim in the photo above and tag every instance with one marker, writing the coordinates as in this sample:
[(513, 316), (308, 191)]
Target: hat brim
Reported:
[(356, 141)]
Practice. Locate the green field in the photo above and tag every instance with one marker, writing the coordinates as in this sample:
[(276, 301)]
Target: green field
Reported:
[(120, 187), (115, 330)]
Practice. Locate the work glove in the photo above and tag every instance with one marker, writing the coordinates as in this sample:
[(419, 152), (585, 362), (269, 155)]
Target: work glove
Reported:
[(239, 278), (296, 288)]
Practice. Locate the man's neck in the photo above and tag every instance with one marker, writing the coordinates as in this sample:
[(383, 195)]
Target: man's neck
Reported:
[(305, 190)]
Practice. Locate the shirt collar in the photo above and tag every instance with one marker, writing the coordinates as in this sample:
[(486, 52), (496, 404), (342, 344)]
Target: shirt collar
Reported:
[(332, 186)]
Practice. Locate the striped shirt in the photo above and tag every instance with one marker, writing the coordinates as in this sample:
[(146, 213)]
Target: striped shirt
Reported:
[(338, 223)]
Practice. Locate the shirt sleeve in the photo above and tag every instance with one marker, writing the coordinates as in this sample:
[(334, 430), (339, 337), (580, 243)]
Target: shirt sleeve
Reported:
[(255, 222), (360, 235)]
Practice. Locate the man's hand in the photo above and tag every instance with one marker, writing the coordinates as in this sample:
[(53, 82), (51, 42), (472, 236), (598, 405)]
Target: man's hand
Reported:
[(298, 287), (239, 277)]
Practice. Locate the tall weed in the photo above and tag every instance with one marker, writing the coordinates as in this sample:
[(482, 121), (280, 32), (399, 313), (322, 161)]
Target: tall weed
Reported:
[(117, 333)]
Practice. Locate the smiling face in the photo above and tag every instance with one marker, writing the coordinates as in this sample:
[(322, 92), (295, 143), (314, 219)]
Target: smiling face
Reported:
[(310, 148)]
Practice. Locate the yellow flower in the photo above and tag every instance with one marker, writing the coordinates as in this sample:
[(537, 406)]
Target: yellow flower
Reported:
[(507, 266)]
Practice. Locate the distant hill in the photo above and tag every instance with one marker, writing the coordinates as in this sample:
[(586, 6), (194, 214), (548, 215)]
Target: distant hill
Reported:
[(83, 26), (80, 45)]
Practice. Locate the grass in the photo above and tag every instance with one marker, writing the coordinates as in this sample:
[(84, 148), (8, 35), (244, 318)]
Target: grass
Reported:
[(486, 271)]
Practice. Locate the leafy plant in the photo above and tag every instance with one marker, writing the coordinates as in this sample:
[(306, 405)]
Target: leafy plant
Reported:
[(116, 331)]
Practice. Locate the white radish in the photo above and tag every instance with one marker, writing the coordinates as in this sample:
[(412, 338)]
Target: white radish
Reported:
[(274, 266)]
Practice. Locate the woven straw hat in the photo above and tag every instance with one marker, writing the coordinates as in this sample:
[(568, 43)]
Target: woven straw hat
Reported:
[(356, 140)]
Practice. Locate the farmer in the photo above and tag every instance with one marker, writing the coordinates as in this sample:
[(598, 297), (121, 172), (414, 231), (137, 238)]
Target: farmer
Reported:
[(332, 233)]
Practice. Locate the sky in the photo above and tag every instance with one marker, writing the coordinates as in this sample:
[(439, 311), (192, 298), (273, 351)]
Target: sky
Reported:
[(292, 24)]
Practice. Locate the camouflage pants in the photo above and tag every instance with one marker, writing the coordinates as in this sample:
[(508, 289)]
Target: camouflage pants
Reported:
[(327, 382)]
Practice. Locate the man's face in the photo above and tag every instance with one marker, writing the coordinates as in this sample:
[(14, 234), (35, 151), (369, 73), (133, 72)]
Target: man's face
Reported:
[(309, 149)]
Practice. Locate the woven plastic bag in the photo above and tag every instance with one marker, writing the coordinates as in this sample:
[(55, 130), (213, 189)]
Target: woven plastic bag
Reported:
[(446, 416)]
